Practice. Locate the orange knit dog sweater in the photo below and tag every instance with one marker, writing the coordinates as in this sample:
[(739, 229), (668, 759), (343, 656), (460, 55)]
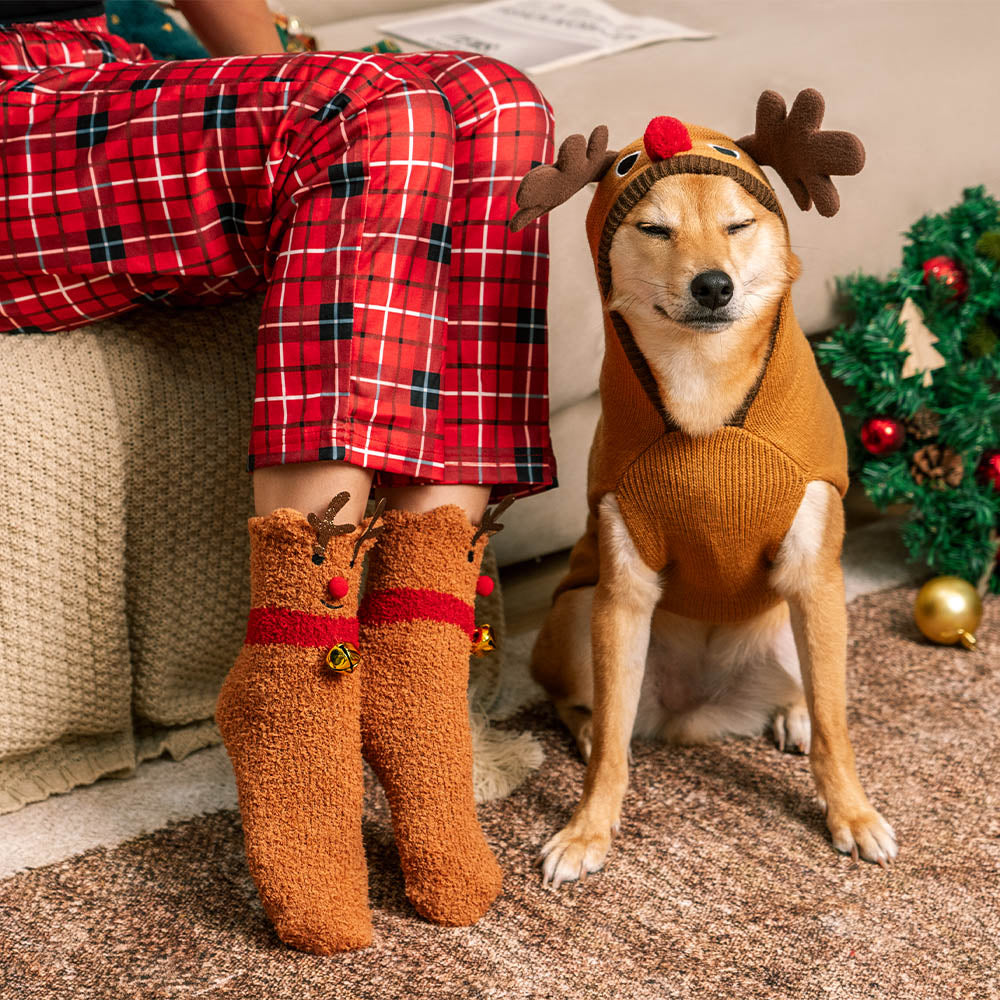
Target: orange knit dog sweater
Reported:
[(708, 512)]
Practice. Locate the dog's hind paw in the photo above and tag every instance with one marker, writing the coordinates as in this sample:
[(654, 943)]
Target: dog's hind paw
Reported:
[(573, 853), (792, 730), (866, 834)]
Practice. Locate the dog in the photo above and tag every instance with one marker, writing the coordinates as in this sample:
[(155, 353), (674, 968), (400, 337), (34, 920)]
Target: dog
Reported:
[(706, 597)]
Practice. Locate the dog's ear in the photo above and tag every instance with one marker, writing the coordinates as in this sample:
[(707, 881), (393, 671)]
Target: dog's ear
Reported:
[(803, 155), (579, 162)]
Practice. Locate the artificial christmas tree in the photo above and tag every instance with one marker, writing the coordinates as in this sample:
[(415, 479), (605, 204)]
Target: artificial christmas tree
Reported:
[(949, 283)]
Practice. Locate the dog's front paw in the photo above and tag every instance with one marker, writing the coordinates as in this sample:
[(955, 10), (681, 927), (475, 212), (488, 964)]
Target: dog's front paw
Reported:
[(865, 833), (575, 851)]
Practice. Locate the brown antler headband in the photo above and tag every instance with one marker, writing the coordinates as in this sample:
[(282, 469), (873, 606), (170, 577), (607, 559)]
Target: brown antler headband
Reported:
[(579, 162), (803, 155)]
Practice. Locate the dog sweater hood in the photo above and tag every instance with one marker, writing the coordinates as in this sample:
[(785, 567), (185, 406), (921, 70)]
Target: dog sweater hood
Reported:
[(708, 513)]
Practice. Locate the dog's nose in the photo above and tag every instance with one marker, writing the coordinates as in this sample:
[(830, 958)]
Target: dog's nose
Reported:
[(712, 289)]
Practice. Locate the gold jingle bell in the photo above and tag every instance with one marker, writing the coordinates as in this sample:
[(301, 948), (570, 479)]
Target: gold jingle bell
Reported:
[(483, 641), (948, 609), (343, 658)]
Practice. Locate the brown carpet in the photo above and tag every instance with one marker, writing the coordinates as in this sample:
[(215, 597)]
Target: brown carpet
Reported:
[(723, 883)]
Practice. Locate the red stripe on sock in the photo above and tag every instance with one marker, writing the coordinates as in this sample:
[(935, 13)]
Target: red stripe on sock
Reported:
[(284, 627), (408, 604)]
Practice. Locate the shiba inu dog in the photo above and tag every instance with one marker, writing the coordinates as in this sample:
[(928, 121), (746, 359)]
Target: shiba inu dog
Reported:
[(706, 597)]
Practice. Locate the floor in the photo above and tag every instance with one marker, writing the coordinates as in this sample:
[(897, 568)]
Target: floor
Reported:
[(112, 811)]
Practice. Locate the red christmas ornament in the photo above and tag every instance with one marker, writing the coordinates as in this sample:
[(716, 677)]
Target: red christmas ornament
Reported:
[(989, 469), (946, 272), (665, 136), (484, 586), (882, 435), (338, 587)]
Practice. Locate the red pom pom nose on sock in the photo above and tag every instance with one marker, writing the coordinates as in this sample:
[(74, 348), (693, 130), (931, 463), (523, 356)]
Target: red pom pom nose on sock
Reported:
[(665, 136), (338, 587), (484, 586)]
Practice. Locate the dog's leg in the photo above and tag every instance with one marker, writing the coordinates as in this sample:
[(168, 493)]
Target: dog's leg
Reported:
[(560, 662), (623, 608), (808, 574)]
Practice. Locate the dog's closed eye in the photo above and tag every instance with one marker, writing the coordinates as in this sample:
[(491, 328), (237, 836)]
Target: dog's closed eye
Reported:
[(651, 229), (737, 226)]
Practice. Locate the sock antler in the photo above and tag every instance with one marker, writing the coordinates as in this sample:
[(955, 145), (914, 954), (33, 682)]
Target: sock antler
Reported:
[(490, 525), (325, 526), (803, 154), (370, 530)]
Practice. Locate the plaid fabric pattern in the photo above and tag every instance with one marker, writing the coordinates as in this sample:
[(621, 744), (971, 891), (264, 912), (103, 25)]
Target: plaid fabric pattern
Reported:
[(367, 193)]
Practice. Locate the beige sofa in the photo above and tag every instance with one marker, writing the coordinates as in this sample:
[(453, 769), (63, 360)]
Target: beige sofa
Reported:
[(123, 500)]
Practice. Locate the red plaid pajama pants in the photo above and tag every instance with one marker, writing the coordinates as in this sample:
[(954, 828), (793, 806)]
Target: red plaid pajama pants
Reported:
[(403, 326)]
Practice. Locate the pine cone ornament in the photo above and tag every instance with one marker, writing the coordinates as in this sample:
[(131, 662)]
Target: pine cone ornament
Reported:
[(938, 465), (923, 424)]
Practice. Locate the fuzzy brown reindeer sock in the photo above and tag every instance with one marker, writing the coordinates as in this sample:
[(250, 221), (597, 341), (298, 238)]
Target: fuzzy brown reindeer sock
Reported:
[(289, 716), (416, 630)]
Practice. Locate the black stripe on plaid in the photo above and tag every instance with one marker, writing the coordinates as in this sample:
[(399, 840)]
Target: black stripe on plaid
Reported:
[(106, 244), (439, 247), (530, 464), (145, 84), (109, 54), (333, 107), (531, 326), (233, 216), (91, 129), (347, 179), (425, 390), (220, 111), (336, 321)]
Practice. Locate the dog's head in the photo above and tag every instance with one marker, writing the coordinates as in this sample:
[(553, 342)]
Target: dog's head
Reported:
[(685, 216), (698, 254)]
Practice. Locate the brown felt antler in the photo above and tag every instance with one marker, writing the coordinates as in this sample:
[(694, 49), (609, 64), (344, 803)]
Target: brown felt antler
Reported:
[(370, 530), (803, 155), (325, 527), (490, 523), (579, 162)]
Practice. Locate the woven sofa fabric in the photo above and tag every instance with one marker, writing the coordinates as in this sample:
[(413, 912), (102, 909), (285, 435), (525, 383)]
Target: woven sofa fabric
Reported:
[(65, 673), (182, 380), (124, 552)]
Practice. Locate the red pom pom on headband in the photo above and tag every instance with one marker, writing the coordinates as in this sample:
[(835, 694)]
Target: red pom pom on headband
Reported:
[(665, 136)]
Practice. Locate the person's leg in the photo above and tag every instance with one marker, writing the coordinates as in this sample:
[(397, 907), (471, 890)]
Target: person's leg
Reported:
[(191, 182), (326, 178), (417, 613), (351, 323), (308, 487)]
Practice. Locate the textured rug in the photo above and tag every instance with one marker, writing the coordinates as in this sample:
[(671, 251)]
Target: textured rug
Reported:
[(723, 883)]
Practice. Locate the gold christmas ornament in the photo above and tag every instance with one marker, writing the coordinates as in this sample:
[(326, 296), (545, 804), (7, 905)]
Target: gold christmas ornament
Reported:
[(948, 609)]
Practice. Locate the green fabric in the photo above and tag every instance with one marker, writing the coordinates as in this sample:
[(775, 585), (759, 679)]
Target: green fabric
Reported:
[(144, 21)]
